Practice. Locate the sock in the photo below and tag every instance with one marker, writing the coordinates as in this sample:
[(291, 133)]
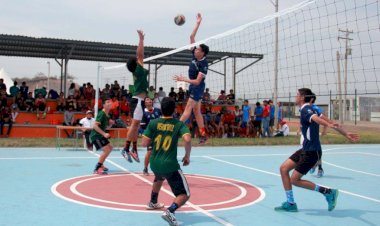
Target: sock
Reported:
[(127, 144), (289, 196), (98, 165), (154, 197), (134, 145), (202, 131), (173, 207), (322, 189), (320, 166)]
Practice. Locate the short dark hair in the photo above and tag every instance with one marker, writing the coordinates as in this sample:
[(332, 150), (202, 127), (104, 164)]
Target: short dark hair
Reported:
[(313, 98), (204, 48), (132, 64), (306, 93), (167, 106)]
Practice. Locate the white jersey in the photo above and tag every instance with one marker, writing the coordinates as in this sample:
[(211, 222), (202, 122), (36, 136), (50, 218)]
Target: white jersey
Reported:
[(87, 123)]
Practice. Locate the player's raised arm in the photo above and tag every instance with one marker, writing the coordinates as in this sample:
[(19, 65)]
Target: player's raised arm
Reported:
[(194, 33), (140, 48)]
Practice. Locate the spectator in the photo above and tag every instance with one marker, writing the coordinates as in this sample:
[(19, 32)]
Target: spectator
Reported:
[(40, 104), (116, 89), (173, 94), (18, 100), (228, 124), (247, 112), (24, 90), (71, 102), (53, 95), (272, 112), (3, 87), (222, 97), (280, 115), (14, 89), (61, 102), (157, 101), (5, 118), (115, 108), (231, 97), (161, 93), (106, 92), (124, 106), (238, 120), (284, 131), (71, 90), (82, 89), (88, 122), (69, 120), (3, 99), (42, 91), (14, 113), (29, 102), (88, 92), (258, 119), (266, 119), (82, 104), (181, 95), (206, 96), (151, 92)]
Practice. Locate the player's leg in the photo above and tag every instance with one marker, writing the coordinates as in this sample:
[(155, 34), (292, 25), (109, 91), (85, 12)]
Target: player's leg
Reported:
[(146, 160), (320, 169), (180, 188), (156, 187), (102, 143), (188, 109)]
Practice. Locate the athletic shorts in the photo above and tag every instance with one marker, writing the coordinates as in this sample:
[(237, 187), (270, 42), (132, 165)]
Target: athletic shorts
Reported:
[(100, 143), (257, 124), (305, 160), (271, 122), (137, 108), (176, 181), (196, 92)]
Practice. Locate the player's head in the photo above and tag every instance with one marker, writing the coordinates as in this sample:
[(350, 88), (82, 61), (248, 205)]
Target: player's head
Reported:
[(132, 64), (167, 106), (107, 104), (201, 51), (204, 49), (313, 98), (148, 103), (303, 96)]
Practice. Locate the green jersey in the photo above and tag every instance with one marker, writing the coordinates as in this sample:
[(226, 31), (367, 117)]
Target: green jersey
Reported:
[(164, 133), (102, 119), (140, 80)]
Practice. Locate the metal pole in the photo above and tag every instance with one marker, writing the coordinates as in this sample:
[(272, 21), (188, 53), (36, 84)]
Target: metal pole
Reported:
[(355, 104), (275, 87), (330, 107), (48, 76), (96, 107), (234, 75), (339, 88)]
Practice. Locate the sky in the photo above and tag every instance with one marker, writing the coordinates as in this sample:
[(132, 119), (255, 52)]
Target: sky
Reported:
[(116, 21)]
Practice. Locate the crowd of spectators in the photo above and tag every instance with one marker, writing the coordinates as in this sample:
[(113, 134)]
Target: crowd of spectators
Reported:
[(231, 121)]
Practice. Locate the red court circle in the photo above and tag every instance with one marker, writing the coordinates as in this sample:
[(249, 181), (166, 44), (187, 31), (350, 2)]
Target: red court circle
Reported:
[(131, 192)]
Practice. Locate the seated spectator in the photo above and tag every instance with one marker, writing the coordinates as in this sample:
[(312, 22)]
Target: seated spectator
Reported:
[(3, 99), (231, 97), (284, 131), (29, 102), (115, 108), (116, 89), (228, 123), (71, 90), (3, 87), (151, 92), (87, 122), (61, 102), (206, 96), (69, 120), (40, 104), (161, 93), (222, 97), (14, 113), (18, 100), (82, 104), (24, 90), (71, 102), (5, 118), (124, 106), (53, 94), (42, 91), (89, 92)]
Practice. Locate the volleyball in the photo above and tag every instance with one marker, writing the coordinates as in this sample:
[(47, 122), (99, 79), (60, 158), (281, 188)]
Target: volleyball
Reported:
[(179, 19)]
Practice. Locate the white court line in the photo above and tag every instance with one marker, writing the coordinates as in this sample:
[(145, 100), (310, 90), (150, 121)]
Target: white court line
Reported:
[(205, 212), (278, 175), (349, 169)]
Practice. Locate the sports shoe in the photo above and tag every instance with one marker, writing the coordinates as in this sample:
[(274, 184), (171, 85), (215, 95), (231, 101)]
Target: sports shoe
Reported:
[(170, 218), (312, 170), (320, 173), (105, 169), (126, 155), (331, 199), (203, 139), (145, 172), (135, 155), (154, 206), (287, 207), (100, 171)]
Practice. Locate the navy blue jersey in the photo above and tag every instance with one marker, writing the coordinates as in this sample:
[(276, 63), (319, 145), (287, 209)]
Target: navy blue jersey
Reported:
[(149, 115), (317, 109), (194, 68), (309, 129)]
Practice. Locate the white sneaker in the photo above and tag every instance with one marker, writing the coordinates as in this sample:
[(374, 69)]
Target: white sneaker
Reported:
[(170, 218), (155, 206)]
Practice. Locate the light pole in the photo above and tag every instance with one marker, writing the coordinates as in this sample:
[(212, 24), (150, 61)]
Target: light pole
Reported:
[(48, 76), (275, 85)]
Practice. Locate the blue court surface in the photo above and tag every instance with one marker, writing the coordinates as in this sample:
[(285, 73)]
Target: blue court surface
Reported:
[(31, 177)]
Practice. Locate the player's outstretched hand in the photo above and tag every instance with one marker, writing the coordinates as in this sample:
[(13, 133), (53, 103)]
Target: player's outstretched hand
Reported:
[(353, 137), (186, 160), (141, 34), (199, 18), (179, 78), (107, 135)]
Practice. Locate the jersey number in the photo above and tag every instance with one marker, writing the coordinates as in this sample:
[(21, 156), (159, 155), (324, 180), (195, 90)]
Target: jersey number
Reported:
[(165, 144)]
